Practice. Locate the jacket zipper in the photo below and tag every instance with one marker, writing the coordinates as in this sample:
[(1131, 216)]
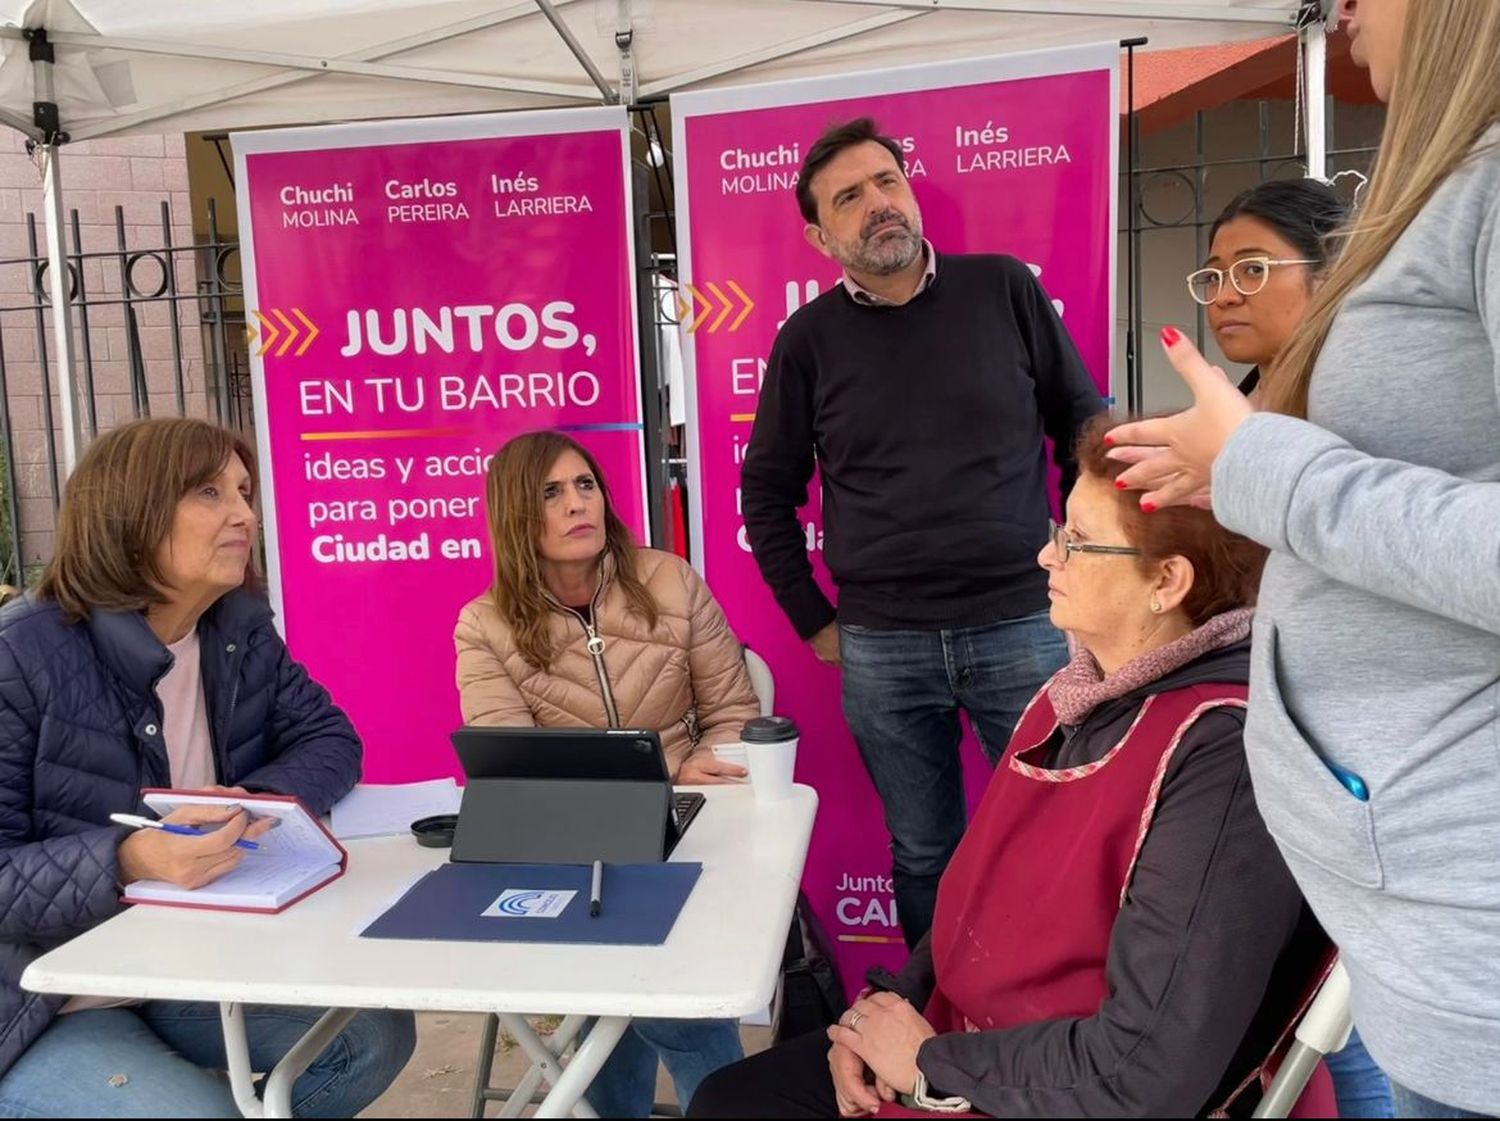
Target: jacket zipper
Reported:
[(596, 650), (221, 751)]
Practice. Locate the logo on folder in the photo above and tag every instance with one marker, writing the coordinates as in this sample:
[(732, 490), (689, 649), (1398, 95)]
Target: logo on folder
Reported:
[(529, 903)]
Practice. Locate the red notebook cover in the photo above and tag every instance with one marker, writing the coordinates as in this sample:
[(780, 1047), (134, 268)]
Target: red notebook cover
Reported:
[(249, 801)]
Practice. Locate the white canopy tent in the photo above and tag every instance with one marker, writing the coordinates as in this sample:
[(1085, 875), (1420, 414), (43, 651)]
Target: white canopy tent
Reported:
[(79, 69)]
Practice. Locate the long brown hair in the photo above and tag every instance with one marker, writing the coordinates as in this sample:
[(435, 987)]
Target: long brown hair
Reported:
[(119, 506), (1445, 95), (513, 494)]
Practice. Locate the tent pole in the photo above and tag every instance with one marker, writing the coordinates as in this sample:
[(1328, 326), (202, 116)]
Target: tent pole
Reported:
[(624, 40), (1134, 389), (59, 279), (565, 33), (1314, 46)]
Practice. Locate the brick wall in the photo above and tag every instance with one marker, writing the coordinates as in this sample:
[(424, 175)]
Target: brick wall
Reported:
[(135, 174)]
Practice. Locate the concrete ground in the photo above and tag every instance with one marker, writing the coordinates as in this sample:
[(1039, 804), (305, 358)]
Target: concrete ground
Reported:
[(439, 1080)]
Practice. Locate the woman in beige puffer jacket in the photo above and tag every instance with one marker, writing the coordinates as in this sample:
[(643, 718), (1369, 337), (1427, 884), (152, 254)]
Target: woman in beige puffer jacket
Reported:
[(571, 588), (582, 629)]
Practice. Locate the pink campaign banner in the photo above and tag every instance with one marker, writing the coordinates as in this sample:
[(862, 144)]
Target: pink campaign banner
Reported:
[(425, 290), (1012, 155)]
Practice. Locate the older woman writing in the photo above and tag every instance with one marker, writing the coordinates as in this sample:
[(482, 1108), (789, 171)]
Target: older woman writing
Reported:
[(146, 658), (1116, 935)]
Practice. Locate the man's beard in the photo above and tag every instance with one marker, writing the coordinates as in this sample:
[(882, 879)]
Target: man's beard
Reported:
[(888, 254)]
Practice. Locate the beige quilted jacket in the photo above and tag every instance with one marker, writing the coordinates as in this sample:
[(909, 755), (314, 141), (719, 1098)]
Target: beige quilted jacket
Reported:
[(686, 678)]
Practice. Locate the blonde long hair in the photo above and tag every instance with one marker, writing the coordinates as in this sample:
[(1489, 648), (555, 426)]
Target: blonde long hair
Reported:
[(1446, 94), (517, 476)]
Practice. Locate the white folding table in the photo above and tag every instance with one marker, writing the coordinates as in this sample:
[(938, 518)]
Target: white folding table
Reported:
[(720, 961)]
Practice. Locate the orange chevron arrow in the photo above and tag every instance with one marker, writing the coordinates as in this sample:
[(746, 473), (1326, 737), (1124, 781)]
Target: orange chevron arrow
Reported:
[(288, 332), (699, 298), (723, 299), (312, 328), (269, 333), (749, 305), (291, 333)]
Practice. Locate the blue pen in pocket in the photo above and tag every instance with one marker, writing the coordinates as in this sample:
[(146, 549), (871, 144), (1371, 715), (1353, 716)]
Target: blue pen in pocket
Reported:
[(1349, 781)]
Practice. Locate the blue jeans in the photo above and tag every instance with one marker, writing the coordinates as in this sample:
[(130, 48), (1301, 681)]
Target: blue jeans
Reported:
[(1409, 1103), (1360, 1085), (691, 1050), (161, 1059), (902, 694)]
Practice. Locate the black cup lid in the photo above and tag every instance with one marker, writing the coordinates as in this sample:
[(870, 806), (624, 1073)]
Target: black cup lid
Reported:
[(435, 832), (769, 729)]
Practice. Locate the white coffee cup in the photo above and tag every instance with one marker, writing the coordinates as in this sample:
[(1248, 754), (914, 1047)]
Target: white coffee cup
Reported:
[(771, 754)]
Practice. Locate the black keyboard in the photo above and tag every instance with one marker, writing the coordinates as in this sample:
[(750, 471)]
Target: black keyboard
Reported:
[(685, 807)]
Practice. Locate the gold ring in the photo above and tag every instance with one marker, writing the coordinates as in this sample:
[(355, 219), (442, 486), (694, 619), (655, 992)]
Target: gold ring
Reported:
[(854, 1019)]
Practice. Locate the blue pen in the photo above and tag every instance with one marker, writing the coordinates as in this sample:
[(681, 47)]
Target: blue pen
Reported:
[(1349, 781), (137, 822)]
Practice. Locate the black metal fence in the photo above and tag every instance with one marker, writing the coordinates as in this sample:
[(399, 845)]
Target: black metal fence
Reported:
[(158, 329)]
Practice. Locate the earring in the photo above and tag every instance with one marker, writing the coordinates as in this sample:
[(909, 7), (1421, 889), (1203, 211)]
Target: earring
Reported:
[(1156, 607)]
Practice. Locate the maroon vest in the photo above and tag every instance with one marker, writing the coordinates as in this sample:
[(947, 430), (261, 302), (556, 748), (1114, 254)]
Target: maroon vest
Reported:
[(1028, 903)]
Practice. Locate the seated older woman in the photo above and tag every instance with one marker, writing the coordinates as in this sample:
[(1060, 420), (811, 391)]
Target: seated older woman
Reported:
[(145, 658), (581, 628), (1117, 935)]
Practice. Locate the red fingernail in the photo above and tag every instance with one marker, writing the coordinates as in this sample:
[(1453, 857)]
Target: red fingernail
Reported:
[(1171, 336), (1109, 441), (1149, 507), (1119, 484)]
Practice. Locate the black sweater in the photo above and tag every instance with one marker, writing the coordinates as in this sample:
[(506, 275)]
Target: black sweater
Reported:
[(927, 422), (1206, 961)]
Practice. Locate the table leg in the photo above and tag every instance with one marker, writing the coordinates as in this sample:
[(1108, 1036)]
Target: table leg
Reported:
[(237, 1051), (278, 1091), (569, 1082), (547, 1068), (566, 1096), (484, 1066)]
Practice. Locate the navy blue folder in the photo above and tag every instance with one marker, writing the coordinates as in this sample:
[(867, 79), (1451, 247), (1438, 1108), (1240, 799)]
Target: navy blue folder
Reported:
[(528, 903)]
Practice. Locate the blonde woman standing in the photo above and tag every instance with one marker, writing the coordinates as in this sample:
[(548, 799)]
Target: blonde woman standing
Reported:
[(1374, 476)]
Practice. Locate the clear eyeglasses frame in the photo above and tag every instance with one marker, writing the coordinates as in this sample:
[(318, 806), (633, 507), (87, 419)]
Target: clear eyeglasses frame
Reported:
[(1064, 548), (1248, 275)]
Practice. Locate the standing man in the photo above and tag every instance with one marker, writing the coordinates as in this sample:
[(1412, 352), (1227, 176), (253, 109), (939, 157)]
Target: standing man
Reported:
[(921, 388)]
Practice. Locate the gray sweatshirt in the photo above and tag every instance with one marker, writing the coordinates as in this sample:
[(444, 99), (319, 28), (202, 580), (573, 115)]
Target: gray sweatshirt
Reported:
[(1377, 641)]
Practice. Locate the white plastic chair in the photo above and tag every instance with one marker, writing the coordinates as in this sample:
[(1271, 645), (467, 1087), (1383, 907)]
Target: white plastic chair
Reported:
[(761, 681), (1324, 1029)]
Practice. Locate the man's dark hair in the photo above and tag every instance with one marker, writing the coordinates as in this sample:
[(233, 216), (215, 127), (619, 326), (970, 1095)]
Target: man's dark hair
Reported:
[(831, 143)]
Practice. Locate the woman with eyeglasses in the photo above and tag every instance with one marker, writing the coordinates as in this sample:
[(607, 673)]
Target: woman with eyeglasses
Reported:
[(1372, 471), (1267, 250), (1116, 935)]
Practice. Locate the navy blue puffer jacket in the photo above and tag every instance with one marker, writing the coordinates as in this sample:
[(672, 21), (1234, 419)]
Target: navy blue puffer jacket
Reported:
[(80, 736)]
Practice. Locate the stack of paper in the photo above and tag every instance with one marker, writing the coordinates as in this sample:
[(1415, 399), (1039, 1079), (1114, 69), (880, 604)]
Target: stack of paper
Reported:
[(380, 811)]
